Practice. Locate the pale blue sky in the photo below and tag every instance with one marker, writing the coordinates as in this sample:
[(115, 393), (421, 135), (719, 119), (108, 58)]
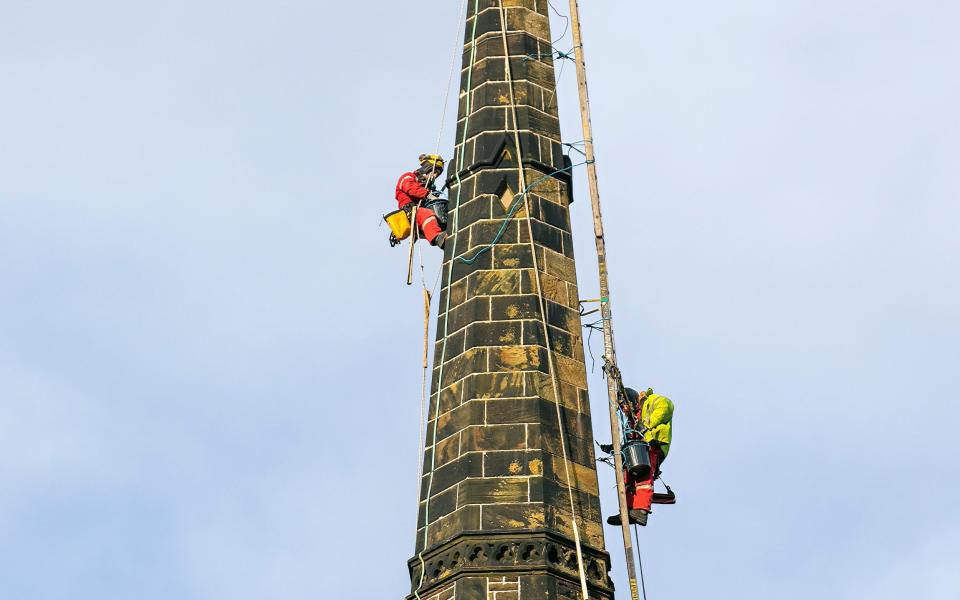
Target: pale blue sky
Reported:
[(209, 374)]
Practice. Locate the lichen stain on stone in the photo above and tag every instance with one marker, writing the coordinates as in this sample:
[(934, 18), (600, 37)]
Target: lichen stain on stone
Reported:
[(560, 345), (517, 357), (536, 466), (497, 282), (506, 382), (509, 491), (510, 337), (515, 467), (513, 311), (554, 290), (534, 519)]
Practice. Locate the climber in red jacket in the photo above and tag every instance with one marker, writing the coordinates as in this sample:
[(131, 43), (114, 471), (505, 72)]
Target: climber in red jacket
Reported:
[(416, 189)]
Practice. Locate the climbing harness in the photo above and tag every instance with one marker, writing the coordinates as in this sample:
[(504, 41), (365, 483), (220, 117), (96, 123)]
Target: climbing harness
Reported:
[(439, 207)]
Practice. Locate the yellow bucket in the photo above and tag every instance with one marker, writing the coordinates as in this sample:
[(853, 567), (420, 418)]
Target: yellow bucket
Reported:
[(399, 223)]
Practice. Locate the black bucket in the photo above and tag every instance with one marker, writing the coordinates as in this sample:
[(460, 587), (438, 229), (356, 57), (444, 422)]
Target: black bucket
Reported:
[(636, 459)]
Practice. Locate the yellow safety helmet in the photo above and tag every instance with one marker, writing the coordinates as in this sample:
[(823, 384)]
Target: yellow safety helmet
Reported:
[(432, 160)]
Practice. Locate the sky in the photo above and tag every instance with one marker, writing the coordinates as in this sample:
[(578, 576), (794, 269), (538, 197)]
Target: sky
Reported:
[(209, 361)]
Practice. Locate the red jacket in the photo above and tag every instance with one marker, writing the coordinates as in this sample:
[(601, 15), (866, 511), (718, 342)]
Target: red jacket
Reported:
[(409, 189)]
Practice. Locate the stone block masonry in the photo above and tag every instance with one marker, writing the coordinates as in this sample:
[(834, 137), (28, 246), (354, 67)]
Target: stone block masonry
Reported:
[(495, 519)]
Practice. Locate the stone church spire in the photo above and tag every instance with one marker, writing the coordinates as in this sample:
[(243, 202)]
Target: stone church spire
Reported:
[(509, 469)]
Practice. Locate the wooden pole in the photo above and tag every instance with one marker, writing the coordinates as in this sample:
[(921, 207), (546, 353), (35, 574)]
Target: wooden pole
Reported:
[(581, 570), (610, 354), (413, 241)]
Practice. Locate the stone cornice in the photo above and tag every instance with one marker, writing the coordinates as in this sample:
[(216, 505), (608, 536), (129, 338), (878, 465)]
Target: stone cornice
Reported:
[(510, 553), (495, 159)]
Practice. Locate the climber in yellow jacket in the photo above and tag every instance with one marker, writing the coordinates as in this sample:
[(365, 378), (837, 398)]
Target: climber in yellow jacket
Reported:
[(649, 417)]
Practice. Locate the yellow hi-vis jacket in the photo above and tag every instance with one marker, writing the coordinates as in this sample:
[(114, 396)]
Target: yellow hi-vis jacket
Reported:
[(656, 416)]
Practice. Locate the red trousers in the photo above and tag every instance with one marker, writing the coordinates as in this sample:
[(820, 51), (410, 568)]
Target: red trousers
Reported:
[(640, 491), (427, 222)]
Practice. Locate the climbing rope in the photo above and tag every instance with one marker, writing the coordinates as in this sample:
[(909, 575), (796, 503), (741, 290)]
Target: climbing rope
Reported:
[(453, 65), (443, 350), (443, 120), (643, 585), (543, 307), (423, 388), (430, 292)]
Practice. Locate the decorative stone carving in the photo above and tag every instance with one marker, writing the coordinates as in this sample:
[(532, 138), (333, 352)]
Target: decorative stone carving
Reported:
[(471, 554)]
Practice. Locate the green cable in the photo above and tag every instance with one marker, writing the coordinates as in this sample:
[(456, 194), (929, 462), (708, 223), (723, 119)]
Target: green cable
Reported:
[(511, 212)]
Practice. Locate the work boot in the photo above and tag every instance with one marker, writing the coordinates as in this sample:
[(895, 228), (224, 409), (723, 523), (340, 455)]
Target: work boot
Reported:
[(440, 240), (637, 517)]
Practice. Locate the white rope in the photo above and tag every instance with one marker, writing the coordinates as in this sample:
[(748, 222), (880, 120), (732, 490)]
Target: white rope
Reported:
[(446, 320), (543, 306), (421, 440), (443, 121), (457, 51), (423, 392), (643, 584)]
